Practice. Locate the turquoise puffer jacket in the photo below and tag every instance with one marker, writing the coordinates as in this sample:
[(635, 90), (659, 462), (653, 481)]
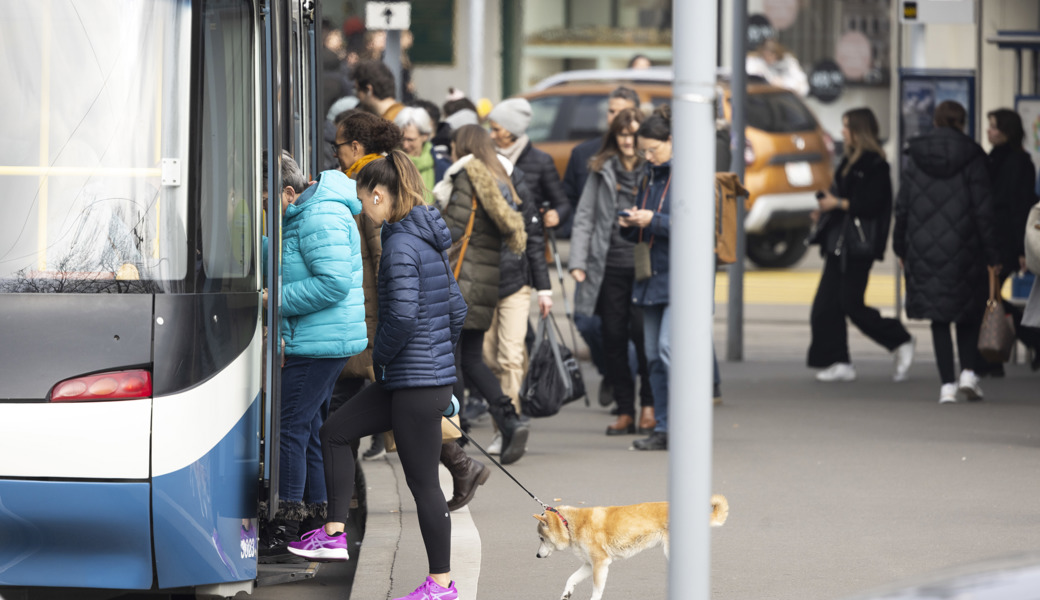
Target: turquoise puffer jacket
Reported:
[(323, 303)]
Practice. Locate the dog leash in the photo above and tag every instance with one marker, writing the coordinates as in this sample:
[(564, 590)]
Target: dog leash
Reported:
[(545, 507)]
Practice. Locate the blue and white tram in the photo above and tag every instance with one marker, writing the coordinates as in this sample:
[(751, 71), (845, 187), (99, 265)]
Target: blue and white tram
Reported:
[(135, 432)]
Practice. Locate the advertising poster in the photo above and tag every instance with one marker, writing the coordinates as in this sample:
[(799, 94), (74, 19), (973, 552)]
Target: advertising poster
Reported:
[(921, 90)]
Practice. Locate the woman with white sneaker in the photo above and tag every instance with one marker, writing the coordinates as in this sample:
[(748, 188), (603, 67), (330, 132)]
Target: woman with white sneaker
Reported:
[(945, 236), (852, 230)]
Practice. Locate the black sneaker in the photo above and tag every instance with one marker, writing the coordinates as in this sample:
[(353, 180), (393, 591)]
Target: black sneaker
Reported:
[(273, 545), (376, 450), (658, 440)]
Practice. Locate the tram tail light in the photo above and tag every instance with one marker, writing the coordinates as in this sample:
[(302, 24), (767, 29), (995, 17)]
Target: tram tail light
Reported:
[(117, 385)]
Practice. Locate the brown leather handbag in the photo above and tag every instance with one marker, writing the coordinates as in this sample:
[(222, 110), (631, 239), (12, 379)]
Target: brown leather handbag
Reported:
[(997, 334)]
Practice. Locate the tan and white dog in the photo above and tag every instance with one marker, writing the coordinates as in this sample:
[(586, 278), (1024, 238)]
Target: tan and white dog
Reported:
[(602, 534)]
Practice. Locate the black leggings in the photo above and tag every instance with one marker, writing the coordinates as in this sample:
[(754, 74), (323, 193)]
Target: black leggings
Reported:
[(967, 347), (414, 415), (470, 369)]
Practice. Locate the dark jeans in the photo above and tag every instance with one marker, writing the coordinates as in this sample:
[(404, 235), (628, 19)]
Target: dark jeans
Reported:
[(840, 295), (623, 321), (658, 324), (306, 390), (414, 415), (591, 330), (967, 347)]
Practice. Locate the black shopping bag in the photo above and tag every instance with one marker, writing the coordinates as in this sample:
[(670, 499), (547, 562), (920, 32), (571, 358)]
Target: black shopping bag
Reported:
[(553, 375)]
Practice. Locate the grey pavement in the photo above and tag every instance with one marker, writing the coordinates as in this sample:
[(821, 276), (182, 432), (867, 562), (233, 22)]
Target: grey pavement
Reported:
[(834, 488)]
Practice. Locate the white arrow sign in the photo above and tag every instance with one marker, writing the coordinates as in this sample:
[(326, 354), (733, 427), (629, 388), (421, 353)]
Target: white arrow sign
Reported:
[(388, 15)]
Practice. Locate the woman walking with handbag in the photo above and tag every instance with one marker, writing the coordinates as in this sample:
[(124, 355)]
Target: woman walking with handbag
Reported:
[(852, 230), (601, 262), (421, 312), (945, 237), (480, 219)]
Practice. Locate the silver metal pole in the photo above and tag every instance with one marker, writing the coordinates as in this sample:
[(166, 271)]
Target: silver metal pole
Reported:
[(692, 263), (476, 50), (738, 96), (392, 58)]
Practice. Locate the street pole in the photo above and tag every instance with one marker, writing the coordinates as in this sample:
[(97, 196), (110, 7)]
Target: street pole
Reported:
[(476, 50), (692, 263), (392, 58), (738, 120)]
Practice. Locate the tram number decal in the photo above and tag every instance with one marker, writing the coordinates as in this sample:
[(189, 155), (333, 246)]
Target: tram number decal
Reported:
[(249, 542)]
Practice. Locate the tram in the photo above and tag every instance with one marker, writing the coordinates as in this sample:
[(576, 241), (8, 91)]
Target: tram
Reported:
[(136, 388)]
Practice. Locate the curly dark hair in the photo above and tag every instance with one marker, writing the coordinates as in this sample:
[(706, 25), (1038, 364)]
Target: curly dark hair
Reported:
[(375, 134), (376, 74)]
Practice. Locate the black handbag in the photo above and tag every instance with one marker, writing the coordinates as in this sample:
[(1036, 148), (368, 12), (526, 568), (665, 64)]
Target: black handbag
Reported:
[(857, 238), (553, 374)]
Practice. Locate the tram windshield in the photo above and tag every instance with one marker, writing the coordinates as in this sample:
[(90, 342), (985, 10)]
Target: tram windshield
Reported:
[(93, 146)]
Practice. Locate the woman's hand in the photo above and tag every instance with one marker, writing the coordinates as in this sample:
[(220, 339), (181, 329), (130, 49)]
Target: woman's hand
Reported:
[(637, 217), (544, 305), (828, 202), (578, 275), (551, 218)]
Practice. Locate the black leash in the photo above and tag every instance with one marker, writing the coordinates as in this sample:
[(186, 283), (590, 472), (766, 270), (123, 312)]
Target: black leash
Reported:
[(545, 506)]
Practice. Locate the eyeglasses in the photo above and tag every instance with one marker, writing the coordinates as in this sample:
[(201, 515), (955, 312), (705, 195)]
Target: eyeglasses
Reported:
[(336, 145), (648, 151)]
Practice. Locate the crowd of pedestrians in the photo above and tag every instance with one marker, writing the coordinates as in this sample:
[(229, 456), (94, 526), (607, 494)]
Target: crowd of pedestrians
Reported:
[(411, 265)]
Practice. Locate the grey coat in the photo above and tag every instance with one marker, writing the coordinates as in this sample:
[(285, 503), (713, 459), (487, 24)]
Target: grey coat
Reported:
[(590, 238), (1031, 316)]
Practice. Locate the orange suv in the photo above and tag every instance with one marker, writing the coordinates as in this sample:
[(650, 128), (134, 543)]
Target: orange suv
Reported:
[(788, 154)]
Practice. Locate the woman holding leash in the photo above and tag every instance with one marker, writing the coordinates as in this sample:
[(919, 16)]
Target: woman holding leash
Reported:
[(852, 230), (421, 312), (648, 225)]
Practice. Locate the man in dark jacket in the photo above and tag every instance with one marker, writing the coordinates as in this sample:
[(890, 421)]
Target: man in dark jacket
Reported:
[(945, 237)]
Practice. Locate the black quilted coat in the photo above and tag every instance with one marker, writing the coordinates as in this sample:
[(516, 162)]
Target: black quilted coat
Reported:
[(944, 230)]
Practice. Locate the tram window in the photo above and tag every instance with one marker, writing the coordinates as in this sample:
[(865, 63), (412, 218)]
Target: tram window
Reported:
[(227, 145)]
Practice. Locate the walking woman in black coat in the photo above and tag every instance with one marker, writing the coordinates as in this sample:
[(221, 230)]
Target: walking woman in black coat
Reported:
[(945, 237), (852, 232), (1013, 175)]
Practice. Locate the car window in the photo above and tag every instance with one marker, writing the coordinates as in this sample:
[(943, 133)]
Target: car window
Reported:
[(544, 112), (778, 112), (589, 118)]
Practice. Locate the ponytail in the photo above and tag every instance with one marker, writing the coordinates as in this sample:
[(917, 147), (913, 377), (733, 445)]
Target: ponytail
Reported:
[(398, 174)]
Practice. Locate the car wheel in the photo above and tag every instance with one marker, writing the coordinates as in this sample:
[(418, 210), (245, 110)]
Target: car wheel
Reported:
[(777, 249)]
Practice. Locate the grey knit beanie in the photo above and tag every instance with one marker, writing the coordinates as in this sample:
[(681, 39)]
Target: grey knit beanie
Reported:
[(513, 115)]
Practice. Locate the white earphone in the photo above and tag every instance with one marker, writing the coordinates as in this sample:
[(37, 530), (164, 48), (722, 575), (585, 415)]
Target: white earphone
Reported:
[(375, 199)]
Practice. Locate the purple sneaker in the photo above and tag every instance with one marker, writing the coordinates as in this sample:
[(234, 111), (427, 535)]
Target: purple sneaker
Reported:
[(429, 590), (318, 545)]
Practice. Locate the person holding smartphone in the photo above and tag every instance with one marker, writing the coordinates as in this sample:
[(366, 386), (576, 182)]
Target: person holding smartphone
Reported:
[(852, 231), (602, 262)]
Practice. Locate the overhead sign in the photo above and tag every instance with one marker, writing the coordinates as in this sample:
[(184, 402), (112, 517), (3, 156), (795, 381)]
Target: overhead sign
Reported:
[(388, 16), (937, 11)]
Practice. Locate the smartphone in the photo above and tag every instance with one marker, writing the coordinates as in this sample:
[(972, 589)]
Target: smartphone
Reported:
[(624, 213), (820, 194)]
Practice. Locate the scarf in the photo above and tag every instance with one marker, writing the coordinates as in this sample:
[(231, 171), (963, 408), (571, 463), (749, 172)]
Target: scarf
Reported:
[(424, 163), (513, 151), (360, 163)]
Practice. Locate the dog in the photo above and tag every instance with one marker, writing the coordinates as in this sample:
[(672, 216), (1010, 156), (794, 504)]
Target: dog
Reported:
[(600, 535)]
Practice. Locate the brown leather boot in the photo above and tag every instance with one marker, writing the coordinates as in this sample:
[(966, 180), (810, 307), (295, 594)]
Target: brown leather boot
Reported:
[(647, 420), (466, 474), (625, 424)]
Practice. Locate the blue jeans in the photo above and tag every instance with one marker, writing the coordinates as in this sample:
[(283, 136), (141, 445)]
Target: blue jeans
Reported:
[(307, 385), (656, 322)]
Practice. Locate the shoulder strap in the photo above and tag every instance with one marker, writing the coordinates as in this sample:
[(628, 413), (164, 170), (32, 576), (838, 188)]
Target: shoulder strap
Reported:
[(465, 238)]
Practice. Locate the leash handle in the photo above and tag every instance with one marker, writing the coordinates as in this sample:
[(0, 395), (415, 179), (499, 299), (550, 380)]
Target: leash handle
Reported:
[(497, 464)]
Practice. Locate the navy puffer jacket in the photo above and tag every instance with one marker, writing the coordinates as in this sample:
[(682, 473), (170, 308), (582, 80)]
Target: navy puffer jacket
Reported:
[(421, 309), (655, 194)]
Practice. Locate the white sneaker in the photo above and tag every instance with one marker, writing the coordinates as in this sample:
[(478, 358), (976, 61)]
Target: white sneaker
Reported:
[(495, 447), (904, 357), (948, 393), (837, 372), (968, 386)]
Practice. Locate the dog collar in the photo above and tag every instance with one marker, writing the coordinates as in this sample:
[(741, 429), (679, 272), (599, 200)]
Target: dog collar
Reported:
[(553, 510)]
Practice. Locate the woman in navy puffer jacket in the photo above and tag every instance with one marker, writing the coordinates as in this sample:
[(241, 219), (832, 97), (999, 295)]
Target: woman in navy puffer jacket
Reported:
[(421, 312)]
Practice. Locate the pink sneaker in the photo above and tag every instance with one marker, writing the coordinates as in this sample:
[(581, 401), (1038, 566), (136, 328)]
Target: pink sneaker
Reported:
[(318, 545), (429, 590)]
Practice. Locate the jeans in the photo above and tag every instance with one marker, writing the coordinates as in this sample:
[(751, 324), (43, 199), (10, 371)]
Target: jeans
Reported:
[(656, 323), (591, 330), (306, 392)]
